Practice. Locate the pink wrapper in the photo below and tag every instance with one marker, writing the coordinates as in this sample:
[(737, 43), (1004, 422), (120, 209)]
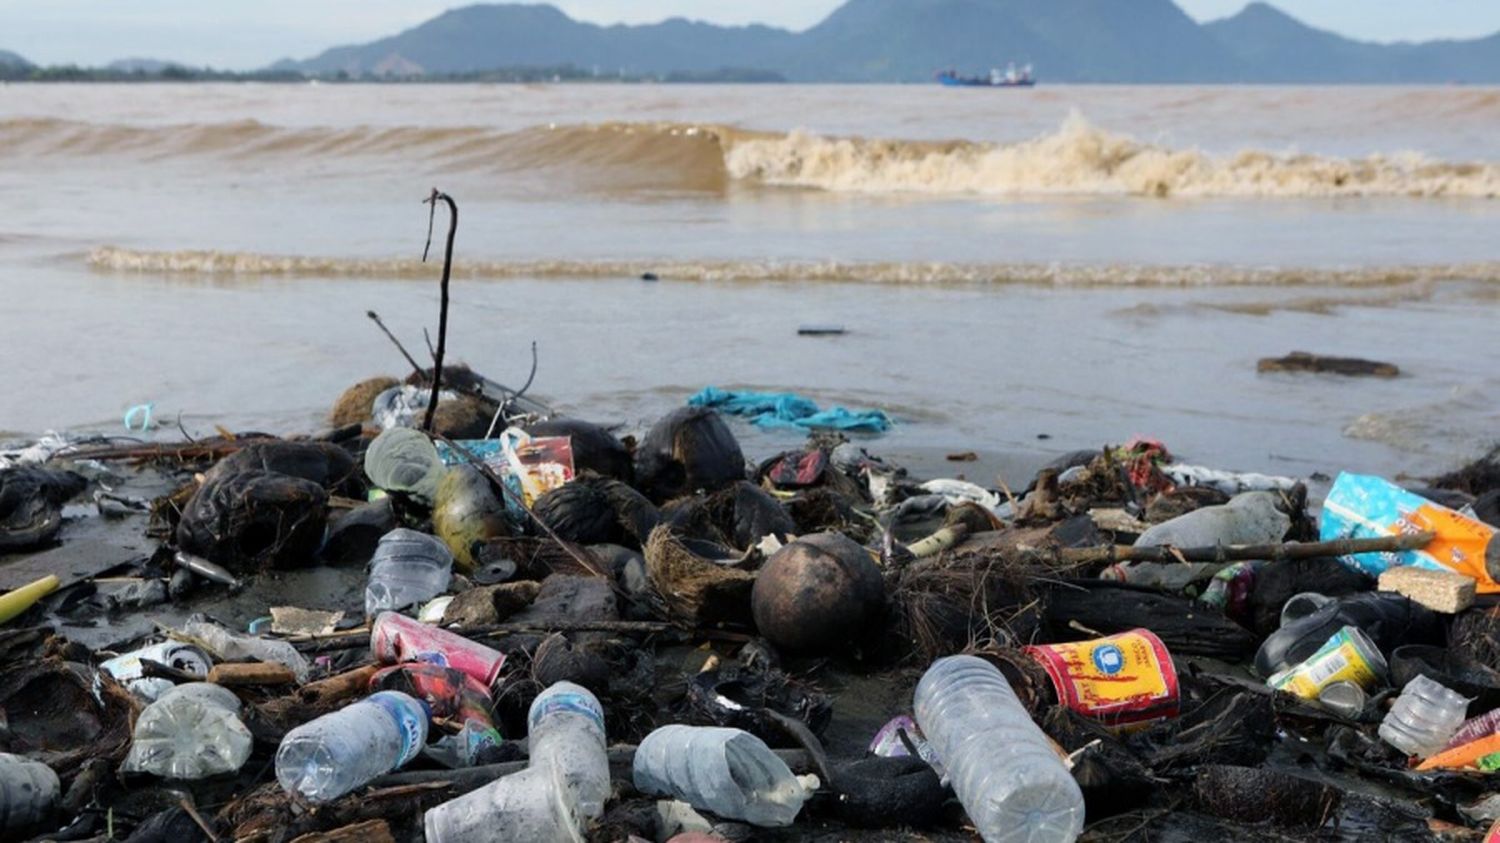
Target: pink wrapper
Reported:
[(395, 638)]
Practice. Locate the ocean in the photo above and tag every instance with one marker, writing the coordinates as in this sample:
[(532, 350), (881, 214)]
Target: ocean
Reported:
[(1020, 272)]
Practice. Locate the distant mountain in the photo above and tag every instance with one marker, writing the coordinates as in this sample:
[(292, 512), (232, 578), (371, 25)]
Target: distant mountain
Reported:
[(9, 59), (146, 66), (908, 40), (1276, 47)]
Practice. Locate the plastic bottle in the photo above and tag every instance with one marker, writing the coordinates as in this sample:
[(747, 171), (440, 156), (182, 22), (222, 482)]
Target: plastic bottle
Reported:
[(408, 567), (339, 752), (191, 732), (27, 791), (1424, 718), (1002, 766), (232, 646), (1250, 518), (561, 791), (1168, 576), (728, 772), (404, 460)]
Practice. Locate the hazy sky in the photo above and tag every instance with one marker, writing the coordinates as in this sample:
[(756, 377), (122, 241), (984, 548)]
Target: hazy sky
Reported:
[(252, 33)]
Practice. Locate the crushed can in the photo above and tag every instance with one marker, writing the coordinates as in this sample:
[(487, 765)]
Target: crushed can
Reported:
[(128, 669), (1125, 681), (395, 638), (1349, 656)]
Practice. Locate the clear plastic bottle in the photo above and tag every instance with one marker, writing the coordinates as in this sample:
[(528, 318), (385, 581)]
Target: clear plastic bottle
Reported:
[(728, 772), (1002, 766), (408, 567), (234, 646), (191, 732), (1424, 718), (1250, 518), (27, 790), (340, 752), (562, 790)]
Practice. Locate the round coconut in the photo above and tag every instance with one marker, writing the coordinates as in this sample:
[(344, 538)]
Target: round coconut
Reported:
[(353, 407), (818, 595)]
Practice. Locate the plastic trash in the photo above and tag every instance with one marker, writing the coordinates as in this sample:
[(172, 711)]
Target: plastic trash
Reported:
[(1250, 518), (340, 752), (468, 511), (1362, 507), (129, 670), (1125, 681), (234, 647), (1344, 698), (404, 460), (1389, 620), (191, 732), (728, 772), (562, 790), (1424, 718), (15, 602), (1299, 606), (1228, 482), (27, 791), (251, 519), (1475, 728), (1001, 765), (1167, 576), (453, 696), (408, 568), (1348, 656), (397, 638)]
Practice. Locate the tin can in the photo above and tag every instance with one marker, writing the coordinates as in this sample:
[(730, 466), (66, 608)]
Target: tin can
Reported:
[(396, 638), (1349, 656), (1124, 681), (129, 671)]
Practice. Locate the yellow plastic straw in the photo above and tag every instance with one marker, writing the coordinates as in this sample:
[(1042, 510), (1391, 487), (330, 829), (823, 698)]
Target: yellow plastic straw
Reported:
[(13, 603)]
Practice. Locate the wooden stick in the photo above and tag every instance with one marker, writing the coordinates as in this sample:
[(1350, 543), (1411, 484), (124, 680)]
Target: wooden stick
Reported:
[(437, 356), (369, 831), (358, 637), (251, 673), (1229, 553), (375, 317)]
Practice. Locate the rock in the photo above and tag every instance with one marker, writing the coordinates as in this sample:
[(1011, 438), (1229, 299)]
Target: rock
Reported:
[(490, 605), (1301, 361), (354, 405), (820, 594)]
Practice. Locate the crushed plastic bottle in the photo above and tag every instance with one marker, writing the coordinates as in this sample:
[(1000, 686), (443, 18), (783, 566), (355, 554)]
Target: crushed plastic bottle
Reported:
[(191, 732), (1250, 518), (1001, 765), (27, 791), (340, 752), (728, 772), (562, 790), (408, 567), (233, 646), (1424, 718)]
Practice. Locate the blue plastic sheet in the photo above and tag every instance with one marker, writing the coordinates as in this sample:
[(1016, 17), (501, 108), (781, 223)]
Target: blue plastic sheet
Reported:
[(790, 410)]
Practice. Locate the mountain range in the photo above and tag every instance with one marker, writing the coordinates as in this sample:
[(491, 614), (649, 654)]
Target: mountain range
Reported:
[(907, 40), (1142, 41)]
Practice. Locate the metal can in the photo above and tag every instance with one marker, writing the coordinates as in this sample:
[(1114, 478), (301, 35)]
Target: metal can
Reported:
[(1124, 681), (396, 638), (129, 671), (1348, 656)]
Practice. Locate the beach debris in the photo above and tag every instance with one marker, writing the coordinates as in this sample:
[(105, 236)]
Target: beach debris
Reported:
[(1302, 361)]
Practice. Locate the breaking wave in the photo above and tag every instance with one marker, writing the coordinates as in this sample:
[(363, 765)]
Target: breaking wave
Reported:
[(1077, 159), (251, 264)]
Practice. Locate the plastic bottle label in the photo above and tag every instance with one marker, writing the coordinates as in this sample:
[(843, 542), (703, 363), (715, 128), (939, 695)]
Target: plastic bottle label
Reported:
[(568, 701), (412, 729)]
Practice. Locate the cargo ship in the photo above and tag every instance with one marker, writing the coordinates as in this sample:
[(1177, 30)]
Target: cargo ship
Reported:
[(1010, 78)]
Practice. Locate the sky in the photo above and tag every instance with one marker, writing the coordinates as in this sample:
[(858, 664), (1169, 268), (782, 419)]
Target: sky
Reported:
[(246, 34)]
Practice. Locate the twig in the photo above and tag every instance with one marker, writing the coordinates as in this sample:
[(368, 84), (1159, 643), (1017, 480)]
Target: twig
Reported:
[(375, 317), (193, 814), (1222, 553), (437, 355)]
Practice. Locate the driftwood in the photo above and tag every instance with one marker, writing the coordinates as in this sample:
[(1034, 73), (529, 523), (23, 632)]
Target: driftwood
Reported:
[(1084, 609), (370, 831), (437, 354), (1235, 552), (251, 673), (1301, 361)]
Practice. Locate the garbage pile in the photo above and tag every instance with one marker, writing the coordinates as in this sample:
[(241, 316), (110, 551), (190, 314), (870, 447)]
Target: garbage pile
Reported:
[(519, 626)]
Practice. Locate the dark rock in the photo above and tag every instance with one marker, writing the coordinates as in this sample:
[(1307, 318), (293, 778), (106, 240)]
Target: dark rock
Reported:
[(1301, 361)]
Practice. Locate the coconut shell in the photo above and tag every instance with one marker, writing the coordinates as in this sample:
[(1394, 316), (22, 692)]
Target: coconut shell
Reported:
[(354, 405), (818, 595)]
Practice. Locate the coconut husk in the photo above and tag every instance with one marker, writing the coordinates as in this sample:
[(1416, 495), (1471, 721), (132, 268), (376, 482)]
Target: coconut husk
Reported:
[(693, 588), (1476, 478), (354, 405), (824, 509), (64, 713), (962, 600), (464, 417)]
